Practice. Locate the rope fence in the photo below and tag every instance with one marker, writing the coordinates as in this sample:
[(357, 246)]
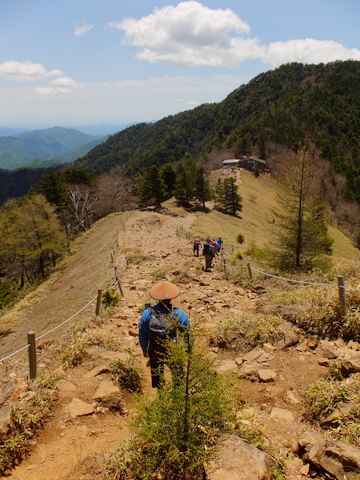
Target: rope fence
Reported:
[(340, 285)]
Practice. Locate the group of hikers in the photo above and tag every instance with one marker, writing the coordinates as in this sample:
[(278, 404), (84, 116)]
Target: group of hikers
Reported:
[(210, 250), (162, 323)]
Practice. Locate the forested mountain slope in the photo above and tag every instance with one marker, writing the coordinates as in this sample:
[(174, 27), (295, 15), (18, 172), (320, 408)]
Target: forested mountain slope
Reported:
[(16, 151), (279, 107)]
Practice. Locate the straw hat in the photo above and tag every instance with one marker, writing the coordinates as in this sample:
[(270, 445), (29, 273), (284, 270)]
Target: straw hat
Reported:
[(164, 291)]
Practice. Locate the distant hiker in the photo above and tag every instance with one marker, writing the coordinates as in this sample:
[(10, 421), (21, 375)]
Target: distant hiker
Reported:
[(157, 326), (209, 254), (197, 245), (218, 244)]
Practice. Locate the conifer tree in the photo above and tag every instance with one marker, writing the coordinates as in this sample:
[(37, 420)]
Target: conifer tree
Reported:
[(169, 176), (228, 196), (202, 187), (153, 186), (300, 227), (185, 182)]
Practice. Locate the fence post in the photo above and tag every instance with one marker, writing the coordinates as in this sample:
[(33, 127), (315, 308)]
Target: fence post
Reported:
[(342, 296), (118, 282), (98, 302), (32, 355), (249, 270), (224, 265)]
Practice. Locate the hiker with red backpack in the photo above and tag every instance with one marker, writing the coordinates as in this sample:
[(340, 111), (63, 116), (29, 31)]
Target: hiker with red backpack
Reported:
[(159, 325), (197, 245)]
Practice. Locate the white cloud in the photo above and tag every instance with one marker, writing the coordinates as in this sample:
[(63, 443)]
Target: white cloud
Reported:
[(188, 34), (51, 90), (307, 50), (191, 34), (80, 30), (65, 82), (26, 71)]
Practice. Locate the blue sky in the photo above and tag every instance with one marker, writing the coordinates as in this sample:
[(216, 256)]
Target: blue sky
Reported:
[(84, 62)]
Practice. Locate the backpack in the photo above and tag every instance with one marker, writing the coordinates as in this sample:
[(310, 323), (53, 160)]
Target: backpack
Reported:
[(196, 241), (161, 325), (207, 249)]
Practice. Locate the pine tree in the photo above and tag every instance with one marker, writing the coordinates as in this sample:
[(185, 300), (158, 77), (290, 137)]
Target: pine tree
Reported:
[(228, 196), (300, 227), (202, 187), (153, 186), (185, 182)]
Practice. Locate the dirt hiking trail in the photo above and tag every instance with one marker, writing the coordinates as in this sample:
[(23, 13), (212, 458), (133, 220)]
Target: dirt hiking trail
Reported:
[(165, 243)]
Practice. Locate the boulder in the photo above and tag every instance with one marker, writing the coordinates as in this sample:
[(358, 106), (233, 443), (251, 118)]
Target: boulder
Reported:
[(328, 349), (351, 364), (105, 389), (5, 420), (266, 375), (290, 338), (78, 408), (338, 459), (281, 415), (237, 460)]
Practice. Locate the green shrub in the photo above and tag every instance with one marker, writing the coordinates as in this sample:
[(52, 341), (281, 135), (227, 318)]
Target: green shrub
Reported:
[(252, 328), (110, 299), (74, 354), (127, 374), (322, 398), (240, 238), (28, 416), (176, 433)]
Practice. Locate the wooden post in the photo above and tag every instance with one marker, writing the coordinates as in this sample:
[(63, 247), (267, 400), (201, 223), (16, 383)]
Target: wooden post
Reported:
[(98, 302), (32, 355), (249, 270), (117, 238), (342, 296), (224, 265), (118, 282)]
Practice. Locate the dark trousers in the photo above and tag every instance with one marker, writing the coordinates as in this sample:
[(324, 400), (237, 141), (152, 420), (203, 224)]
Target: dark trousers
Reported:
[(208, 261), (158, 359), (196, 250)]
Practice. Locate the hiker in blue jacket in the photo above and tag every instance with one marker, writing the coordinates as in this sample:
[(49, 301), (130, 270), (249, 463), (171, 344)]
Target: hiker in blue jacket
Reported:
[(154, 329)]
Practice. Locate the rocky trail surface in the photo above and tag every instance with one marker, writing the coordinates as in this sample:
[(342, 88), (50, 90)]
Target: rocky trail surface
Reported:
[(273, 383)]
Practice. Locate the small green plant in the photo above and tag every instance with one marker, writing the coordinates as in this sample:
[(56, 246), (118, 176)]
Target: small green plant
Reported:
[(28, 416), (239, 256), (128, 375), (240, 238), (137, 258), (110, 299), (335, 372), (252, 328), (76, 351), (322, 398)]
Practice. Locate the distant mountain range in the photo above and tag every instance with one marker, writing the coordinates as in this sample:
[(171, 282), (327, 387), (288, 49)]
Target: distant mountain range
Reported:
[(20, 147)]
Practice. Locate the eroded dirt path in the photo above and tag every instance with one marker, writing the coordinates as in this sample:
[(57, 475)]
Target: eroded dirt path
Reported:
[(166, 245)]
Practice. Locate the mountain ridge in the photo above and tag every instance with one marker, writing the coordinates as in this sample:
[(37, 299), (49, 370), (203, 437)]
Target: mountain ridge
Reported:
[(47, 144)]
